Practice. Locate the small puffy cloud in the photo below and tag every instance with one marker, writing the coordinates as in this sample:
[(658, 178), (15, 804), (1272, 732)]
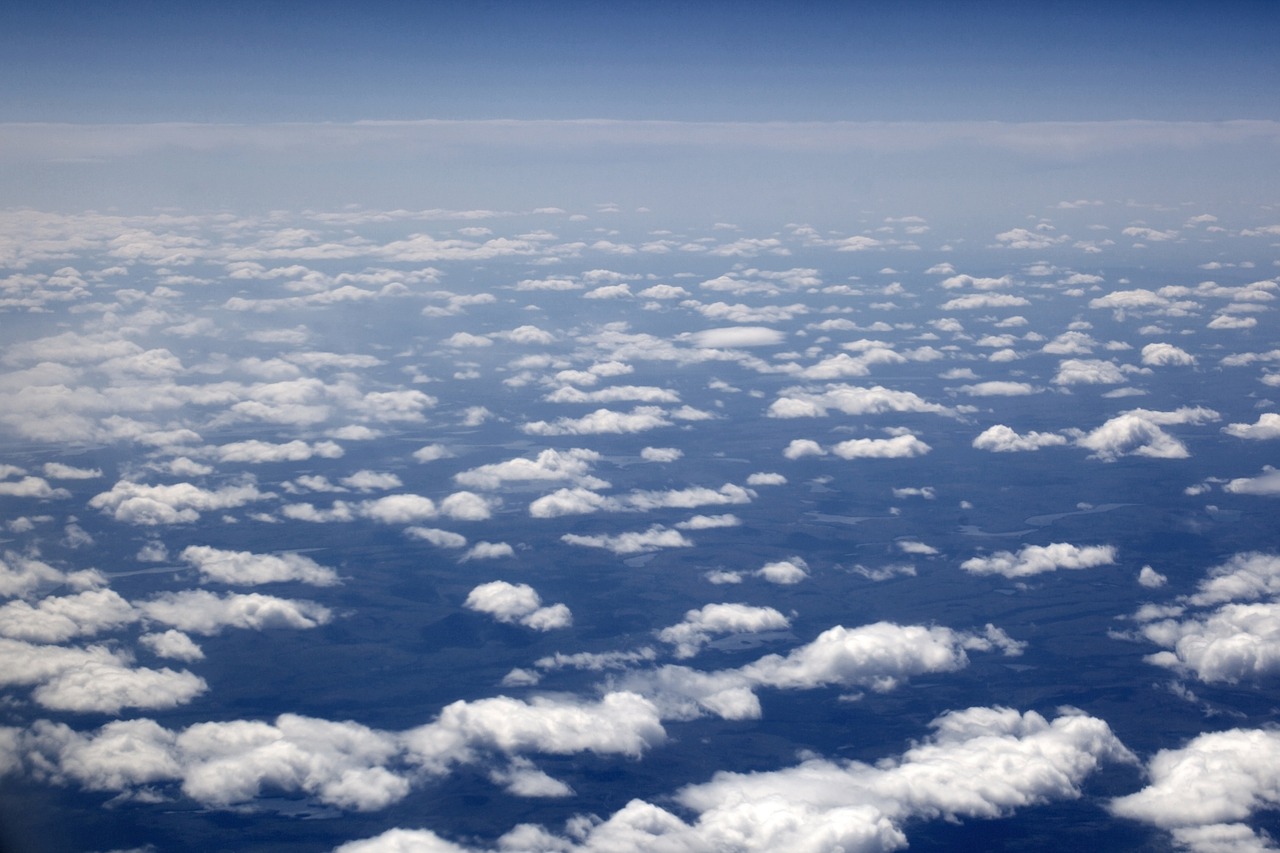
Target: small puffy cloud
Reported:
[(911, 546), (737, 337), (998, 389), (898, 447), (632, 542), (602, 421), (1267, 427), (462, 340), (572, 501), (517, 604), (371, 481), (521, 779), (661, 454), (709, 522), (257, 452), (1267, 484), (1203, 791), (135, 503), (437, 537), (172, 644), (248, 569), (784, 572), (1138, 433), (1002, 439), (974, 301), (1166, 355), (801, 447), (1088, 371), (202, 612), (31, 487), (548, 466), (488, 551), (698, 627), (1230, 321), (60, 471), (1038, 559), (850, 400), (431, 453), (766, 478), (1151, 579)]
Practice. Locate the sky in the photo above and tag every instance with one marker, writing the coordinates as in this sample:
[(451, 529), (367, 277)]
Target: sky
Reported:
[(639, 427)]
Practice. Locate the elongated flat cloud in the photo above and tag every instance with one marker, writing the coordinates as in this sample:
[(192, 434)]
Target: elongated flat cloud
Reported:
[(602, 421), (696, 630), (632, 542), (850, 400), (249, 569), (898, 447), (136, 503), (1038, 559)]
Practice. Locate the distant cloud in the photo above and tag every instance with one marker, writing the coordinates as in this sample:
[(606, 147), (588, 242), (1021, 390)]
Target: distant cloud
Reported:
[(1003, 439), (517, 603), (1038, 559)]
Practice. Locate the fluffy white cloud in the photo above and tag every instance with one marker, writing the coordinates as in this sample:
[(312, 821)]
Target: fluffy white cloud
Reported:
[(689, 636), (784, 572), (999, 389), (56, 619), (974, 301), (1166, 355), (488, 551), (1002, 439), (632, 542), (802, 447), (1088, 371), (549, 466), (244, 567), (1204, 791), (1138, 433), (1038, 559), (518, 604), (135, 503), (898, 447), (203, 612), (1267, 427), (602, 421), (259, 452), (1267, 483), (851, 400), (738, 336), (661, 454)]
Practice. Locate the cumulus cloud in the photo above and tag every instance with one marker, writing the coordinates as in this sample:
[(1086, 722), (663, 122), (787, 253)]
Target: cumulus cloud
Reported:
[(517, 604), (1038, 559), (999, 389), (1138, 433), (1266, 484), (488, 551), (203, 612), (738, 336), (602, 421), (898, 447), (548, 466), (850, 400), (1267, 427), (136, 503), (632, 542), (784, 572), (1166, 355), (1003, 439), (258, 452), (249, 569), (699, 626), (1089, 371)]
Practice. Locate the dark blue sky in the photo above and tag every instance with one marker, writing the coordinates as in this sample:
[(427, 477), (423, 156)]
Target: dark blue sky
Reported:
[(144, 61)]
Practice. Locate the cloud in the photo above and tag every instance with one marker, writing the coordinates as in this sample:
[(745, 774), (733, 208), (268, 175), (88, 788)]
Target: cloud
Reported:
[(602, 421), (1267, 427), (31, 487), (784, 572), (696, 630), (488, 551), (999, 389), (135, 503), (249, 569), (56, 619), (632, 542), (548, 466), (60, 471), (709, 522), (517, 604), (439, 538), (1166, 355), (1088, 371), (802, 447), (432, 452), (661, 454), (766, 478), (1137, 433), (738, 336), (203, 612), (850, 400), (1203, 791), (1038, 559), (1002, 439), (257, 452), (974, 301), (898, 447), (976, 763), (1267, 484)]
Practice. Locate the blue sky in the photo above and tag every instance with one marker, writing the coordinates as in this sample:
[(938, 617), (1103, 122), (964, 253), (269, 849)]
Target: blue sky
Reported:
[(142, 62)]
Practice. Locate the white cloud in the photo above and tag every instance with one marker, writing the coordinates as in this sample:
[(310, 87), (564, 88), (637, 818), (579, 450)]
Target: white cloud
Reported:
[(784, 572), (370, 481), (698, 626), (257, 452), (488, 551), (135, 503), (1038, 559), (1267, 427), (437, 537), (1137, 433), (974, 301), (1267, 483), (432, 452), (998, 389), (661, 454), (602, 421), (60, 471), (549, 466), (632, 542), (709, 522), (766, 478), (801, 447), (737, 337), (1166, 355), (851, 400), (898, 447), (203, 612), (1002, 439), (1090, 371), (517, 604), (249, 569)]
